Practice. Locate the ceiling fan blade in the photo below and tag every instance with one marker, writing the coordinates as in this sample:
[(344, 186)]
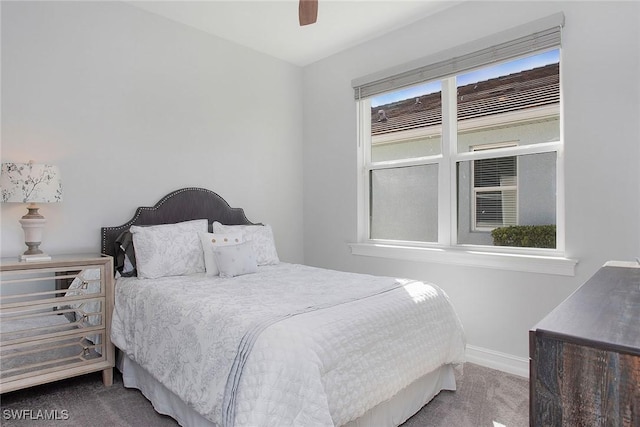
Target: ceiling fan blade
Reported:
[(308, 11)]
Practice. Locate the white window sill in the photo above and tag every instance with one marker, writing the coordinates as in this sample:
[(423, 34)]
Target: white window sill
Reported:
[(470, 257)]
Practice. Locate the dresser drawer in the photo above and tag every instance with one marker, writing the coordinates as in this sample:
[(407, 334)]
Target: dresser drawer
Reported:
[(22, 360), (43, 320), (24, 287)]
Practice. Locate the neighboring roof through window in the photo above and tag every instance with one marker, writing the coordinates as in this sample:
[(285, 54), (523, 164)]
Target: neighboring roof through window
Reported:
[(518, 91)]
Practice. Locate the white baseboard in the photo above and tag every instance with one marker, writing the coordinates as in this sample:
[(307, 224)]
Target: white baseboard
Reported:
[(496, 360)]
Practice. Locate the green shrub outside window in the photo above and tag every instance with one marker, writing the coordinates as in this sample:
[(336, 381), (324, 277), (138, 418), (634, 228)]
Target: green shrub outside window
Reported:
[(525, 236)]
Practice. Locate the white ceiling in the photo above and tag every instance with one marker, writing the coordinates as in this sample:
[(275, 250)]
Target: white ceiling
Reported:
[(271, 26)]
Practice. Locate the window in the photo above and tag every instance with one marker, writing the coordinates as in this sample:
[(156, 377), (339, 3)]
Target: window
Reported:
[(494, 190), (448, 157)]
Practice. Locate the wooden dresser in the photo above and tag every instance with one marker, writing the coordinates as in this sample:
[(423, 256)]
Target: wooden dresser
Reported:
[(48, 332), (585, 355)]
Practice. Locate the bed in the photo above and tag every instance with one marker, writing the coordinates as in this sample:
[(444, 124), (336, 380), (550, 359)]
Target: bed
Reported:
[(231, 336)]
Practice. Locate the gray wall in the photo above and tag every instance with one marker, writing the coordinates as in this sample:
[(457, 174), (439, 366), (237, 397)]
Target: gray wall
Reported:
[(601, 94), (132, 106)]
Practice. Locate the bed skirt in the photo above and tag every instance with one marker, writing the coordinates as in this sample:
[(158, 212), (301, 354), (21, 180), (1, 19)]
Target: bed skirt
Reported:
[(390, 413)]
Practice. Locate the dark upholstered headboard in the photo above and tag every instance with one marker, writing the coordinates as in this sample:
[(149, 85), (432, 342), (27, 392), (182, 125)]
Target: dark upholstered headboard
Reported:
[(181, 205)]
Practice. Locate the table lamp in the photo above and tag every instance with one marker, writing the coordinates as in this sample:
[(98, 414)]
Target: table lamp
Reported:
[(31, 183)]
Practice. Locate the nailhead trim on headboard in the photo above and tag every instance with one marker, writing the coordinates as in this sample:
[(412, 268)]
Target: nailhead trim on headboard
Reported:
[(196, 198)]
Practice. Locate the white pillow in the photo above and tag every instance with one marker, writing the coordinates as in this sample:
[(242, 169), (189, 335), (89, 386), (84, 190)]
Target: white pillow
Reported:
[(260, 237), (210, 241), (169, 249), (235, 260)]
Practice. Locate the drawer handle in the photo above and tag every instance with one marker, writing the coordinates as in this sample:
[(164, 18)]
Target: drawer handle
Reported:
[(85, 317), (85, 351), (84, 284)]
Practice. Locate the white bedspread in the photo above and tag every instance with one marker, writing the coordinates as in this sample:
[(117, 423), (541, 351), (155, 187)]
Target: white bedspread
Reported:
[(289, 345)]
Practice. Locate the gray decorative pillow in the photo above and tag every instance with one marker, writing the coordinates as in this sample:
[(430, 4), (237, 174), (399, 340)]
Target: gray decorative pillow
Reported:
[(259, 236), (235, 260), (169, 249)]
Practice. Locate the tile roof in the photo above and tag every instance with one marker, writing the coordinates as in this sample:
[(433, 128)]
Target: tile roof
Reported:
[(518, 91)]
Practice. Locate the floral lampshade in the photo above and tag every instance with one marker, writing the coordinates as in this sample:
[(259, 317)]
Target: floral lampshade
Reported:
[(30, 183)]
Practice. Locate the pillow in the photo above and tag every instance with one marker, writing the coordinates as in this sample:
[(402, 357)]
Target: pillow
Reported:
[(169, 249), (235, 260), (210, 241), (260, 237), (125, 259)]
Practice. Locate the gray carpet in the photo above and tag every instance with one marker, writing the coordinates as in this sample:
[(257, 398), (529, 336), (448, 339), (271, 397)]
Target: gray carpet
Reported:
[(485, 397)]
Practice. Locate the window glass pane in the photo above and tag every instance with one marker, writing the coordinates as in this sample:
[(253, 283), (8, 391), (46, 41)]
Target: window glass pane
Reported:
[(514, 101), (407, 123), (516, 190), (405, 149), (404, 203)]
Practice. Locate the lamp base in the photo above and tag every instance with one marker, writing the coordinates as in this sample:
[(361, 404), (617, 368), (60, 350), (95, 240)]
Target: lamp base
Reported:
[(33, 258), (32, 225)]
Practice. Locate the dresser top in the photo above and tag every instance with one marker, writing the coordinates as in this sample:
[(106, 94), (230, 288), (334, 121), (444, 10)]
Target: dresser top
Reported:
[(603, 313), (12, 263)]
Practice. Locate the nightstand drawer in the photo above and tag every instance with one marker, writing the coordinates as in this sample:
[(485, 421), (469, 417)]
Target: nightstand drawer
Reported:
[(38, 321), (22, 360), (24, 287)]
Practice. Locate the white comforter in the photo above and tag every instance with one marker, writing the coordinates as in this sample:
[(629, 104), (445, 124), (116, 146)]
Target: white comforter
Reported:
[(289, 345)]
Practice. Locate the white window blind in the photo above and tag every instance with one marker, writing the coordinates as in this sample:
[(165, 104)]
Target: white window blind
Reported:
[(537, 36), (495, 192)]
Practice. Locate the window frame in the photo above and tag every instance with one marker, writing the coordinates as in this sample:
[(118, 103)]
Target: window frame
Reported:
[(447, 249)]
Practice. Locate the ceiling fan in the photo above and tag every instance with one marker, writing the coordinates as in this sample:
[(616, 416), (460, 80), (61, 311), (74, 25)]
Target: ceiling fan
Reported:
[(308, 12)]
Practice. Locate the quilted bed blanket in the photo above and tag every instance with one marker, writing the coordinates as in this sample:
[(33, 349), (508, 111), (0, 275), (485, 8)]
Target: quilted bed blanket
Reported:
[(288, 345)]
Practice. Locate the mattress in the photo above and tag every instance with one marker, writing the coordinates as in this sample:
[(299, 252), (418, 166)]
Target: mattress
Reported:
[(288, 345)]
